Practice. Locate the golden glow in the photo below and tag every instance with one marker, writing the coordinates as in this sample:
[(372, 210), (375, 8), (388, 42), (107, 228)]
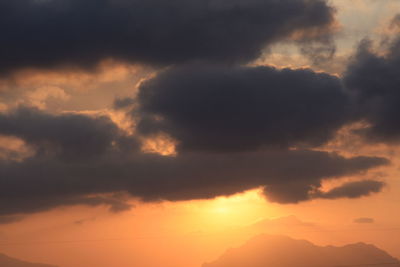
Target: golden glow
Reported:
[(14, 149), (162, 144), (106, 72), (234, 211), (153, 234)]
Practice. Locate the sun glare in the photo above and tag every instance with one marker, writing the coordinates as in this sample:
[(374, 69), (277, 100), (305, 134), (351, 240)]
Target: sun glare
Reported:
[(233, 211)]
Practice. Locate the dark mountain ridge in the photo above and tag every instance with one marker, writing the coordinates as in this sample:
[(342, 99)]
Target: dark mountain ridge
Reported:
[(6, 261), (281, 251)]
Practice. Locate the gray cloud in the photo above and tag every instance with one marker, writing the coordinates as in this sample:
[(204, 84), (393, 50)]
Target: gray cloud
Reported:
[(353, 190), (320, 52), (81, 33), (364, 220), (42, 182), (10, 219), (295, 191), (237, 128), (231, 109), (374, 81), (71, 136), (121, 103), (395, 21), (257, 112)]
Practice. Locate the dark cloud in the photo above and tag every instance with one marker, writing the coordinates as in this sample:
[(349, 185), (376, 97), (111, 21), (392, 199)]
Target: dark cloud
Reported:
[(298, 190), (70, 136), (81, 33), (364, 220), (84, 220), (116, 202), (374, 81), (353, 190), (10, 219), (269, 118), (41, 183), (30, 201), (319, 52), (121, 103), (242, 108), (395, 21)]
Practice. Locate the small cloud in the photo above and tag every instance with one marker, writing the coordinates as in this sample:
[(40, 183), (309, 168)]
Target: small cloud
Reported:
[(353, 190), (290, 221), (395, 23), (364, 220), (42, 96), (84, 220), (10, 219), (121, 103)]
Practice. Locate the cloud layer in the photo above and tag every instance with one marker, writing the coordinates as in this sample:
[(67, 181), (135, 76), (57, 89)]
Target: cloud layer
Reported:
[(43, 181), (243, 108), (70, 136), (374, 80), (50, 33), (236, 127)]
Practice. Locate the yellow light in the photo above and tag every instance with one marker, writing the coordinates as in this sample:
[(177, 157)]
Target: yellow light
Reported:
[(233, 211)]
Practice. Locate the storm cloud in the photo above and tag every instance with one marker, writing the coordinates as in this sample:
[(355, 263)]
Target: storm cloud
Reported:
[(46, 34), (237, 127), (243, 108), (41, 183), (374, 81), (71, 136)]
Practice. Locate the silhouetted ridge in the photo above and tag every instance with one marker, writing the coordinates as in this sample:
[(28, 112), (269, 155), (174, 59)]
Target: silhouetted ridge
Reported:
[(282, 251), (6, 261)]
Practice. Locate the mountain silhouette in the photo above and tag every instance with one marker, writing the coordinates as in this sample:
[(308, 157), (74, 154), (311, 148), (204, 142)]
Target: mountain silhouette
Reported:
[(6, 261), (281, 251)]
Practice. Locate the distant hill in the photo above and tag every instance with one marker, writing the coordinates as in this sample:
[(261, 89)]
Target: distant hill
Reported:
[(6, 261), (281, 251), (282, 225)]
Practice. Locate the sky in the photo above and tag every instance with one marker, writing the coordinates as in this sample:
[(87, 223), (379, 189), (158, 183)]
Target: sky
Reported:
[(160, 133)]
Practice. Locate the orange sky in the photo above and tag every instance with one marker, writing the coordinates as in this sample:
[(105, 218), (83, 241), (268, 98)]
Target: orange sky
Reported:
[(189, 233)]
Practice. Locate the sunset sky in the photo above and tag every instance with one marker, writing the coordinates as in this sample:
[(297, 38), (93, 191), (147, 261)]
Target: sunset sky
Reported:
[(157, 133)]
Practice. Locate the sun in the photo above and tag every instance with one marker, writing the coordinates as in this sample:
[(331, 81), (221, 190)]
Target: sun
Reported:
[(232, 211)]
